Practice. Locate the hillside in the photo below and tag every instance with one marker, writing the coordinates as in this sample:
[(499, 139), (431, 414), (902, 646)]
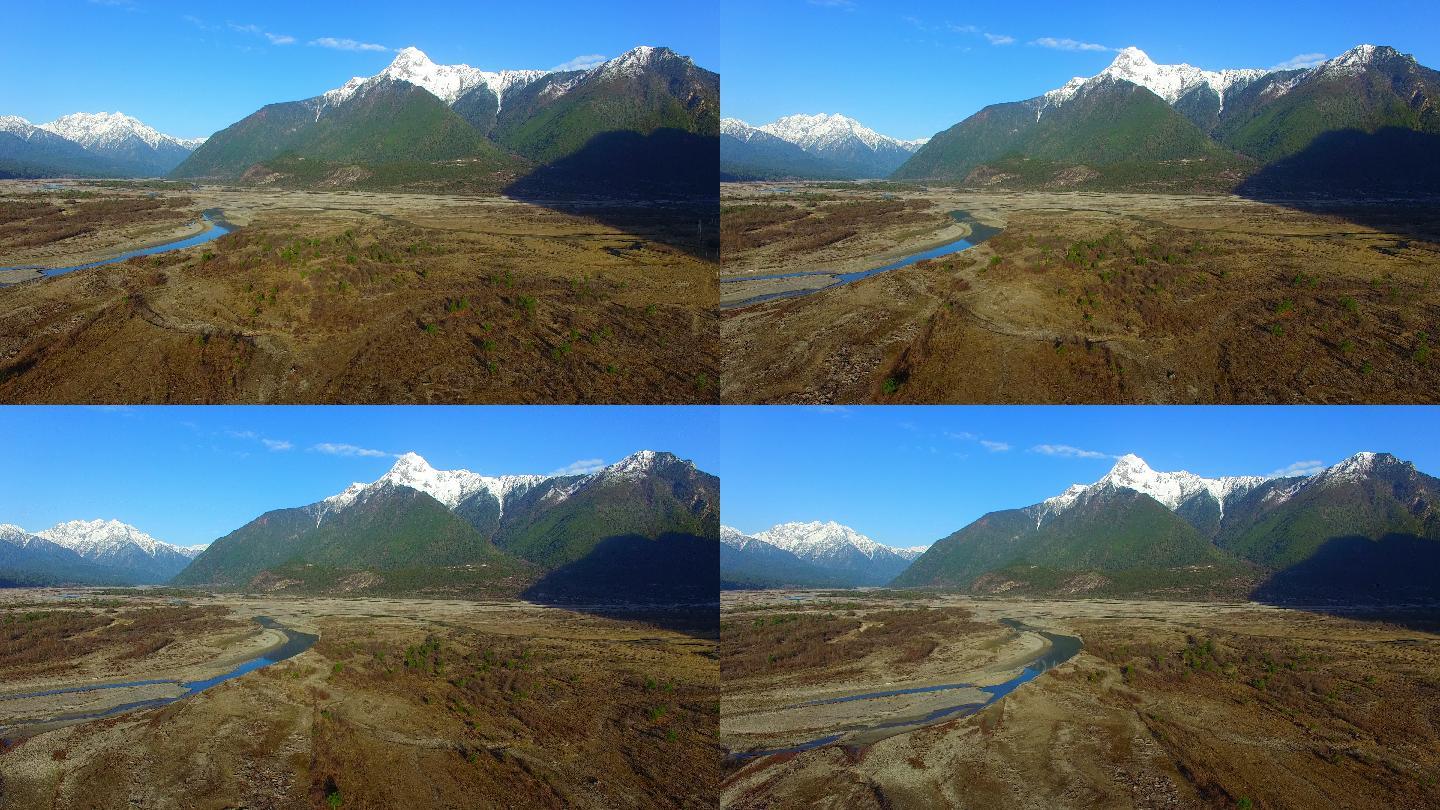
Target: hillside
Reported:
[(1361, 122), (1363, 529), (642, 529)]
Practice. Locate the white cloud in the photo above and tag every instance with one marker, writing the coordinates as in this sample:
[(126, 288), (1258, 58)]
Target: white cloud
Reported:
[(347, 44), (1301, 61), (584, 466), (963, 436), (1299, 468), (1000, 39), (1066, 451), (333, 449), (1068, 44), (963, 29), (275, 39), (277, 445), (994, 447), (584, 62)]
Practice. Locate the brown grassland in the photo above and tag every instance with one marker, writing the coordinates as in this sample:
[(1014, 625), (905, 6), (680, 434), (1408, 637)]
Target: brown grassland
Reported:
[(401, 703), (1084, 298), (1181, 705), (339, 297)]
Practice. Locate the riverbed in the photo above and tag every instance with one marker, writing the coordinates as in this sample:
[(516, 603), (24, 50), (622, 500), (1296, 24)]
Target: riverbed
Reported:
[(216, 227), (808, 282), (29, 713), (903, 713)]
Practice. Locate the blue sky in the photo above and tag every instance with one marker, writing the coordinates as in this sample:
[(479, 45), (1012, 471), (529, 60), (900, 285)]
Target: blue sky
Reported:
[(911, 68), (189, 475), (190, 69), (910, 476)]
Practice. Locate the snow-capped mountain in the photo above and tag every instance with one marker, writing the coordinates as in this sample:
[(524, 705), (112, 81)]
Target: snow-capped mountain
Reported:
[(1172, 489), (97, 144), (446, 82), (749, 562), (911, 552), (843, 145), (838, 549), (644, 527), (828, 133), (105, 130), (455, 488), (449, 487), (1364, 529), (107, 541), (1170, 82), (489, 129), (22, 129), (92, 551), (452, 83)]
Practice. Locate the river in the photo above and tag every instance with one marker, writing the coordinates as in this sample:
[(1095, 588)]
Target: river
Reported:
[(1058, 650), (214, 219), (294, 644), (979, 233)]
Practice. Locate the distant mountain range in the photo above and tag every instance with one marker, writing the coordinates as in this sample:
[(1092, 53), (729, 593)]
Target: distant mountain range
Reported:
[(88, 552), (1367, 529), (88, 145), (647, 120), (1365, 121), (810, 147), (815, 554), (642, 529)]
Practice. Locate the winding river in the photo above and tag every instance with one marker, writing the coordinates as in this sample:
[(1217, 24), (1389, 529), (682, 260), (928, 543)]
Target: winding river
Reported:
[(294, 644), (214, 219), (979, 233), (1058, 650)]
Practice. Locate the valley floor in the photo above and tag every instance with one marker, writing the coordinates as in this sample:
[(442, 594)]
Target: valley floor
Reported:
[(1083, 298), (1168, 704), (354, 297), (400, 703)]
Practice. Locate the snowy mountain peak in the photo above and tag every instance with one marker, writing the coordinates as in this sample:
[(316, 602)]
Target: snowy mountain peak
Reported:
[(637, 464), (1170, 82), (817, 539), (1360, 466), (736, 128), (449, 487), (634, 61), (1172, 489), (827, 131), (1358, 58), (103, 129), (101, 538), (446, 82)]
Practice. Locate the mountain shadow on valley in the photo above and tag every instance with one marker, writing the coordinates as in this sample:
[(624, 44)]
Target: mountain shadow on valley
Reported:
[(1388, 180), (1397, 568), (671, 581), (663, 187)]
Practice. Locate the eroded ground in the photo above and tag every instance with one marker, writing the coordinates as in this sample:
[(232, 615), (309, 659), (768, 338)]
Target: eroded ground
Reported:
[(401, 703), (1167, 705), (1084, 297), (341, 297)]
